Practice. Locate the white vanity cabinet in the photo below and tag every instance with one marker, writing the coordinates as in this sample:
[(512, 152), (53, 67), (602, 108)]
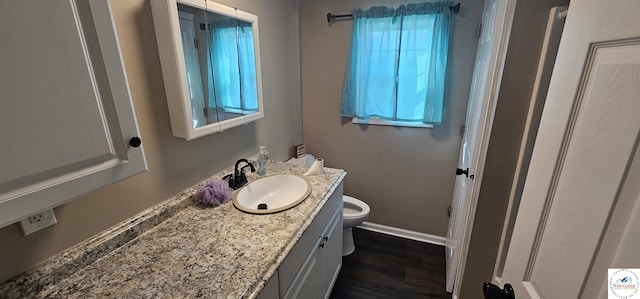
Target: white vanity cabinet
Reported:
[(67, 123), (312, 266)]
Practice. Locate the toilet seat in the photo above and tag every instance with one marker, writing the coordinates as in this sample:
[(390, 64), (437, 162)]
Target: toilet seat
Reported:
[(354, 208)]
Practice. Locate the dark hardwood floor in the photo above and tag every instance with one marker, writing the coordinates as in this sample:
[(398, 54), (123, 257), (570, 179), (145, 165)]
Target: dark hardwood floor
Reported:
[(384, 266)]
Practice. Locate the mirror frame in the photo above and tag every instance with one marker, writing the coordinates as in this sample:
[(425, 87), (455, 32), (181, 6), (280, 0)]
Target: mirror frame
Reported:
[(174, 73)]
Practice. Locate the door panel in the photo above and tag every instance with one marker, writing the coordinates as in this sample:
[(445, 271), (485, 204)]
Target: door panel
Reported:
[(582, 169), (67, 120), (50, 97), (606, 126)]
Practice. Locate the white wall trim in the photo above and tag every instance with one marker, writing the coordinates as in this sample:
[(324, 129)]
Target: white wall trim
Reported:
[(403, 233)]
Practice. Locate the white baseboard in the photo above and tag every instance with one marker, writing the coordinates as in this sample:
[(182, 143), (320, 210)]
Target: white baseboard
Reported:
[(403, 233)]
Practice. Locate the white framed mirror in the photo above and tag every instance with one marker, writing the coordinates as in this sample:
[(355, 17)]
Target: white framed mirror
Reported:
[(210, 58)]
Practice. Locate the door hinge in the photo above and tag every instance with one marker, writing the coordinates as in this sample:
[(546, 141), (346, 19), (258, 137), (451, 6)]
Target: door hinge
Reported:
[(195, 43), (460, 171), (449, 212), (479, 31), (462, 131)]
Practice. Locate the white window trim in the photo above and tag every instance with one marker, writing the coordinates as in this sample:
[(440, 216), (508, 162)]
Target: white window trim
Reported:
[(394, 123)]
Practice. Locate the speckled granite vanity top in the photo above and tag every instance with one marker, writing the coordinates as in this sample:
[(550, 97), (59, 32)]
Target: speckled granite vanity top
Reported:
[(179, 250)]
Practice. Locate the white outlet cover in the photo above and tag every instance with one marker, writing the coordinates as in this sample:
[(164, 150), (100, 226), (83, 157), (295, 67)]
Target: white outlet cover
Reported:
[(47, 219)]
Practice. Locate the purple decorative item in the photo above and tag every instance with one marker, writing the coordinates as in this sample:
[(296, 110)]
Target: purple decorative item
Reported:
[(214, 193)]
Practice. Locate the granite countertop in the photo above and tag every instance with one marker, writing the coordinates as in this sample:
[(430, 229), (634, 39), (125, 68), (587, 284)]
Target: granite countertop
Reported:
[(179, 249)]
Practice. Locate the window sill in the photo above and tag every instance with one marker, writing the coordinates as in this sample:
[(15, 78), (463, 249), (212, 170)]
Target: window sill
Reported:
[(239, 111), (383, 122)]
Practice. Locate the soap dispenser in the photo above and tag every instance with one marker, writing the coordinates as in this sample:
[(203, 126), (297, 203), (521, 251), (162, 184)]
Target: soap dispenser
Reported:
[(263, 156)]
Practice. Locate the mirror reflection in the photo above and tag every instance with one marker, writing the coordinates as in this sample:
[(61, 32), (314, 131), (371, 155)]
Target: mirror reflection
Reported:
[(220, 65)]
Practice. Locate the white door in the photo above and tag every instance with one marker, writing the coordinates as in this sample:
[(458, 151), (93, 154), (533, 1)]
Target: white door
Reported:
[(496, 23), (579, 214), (192, 67)]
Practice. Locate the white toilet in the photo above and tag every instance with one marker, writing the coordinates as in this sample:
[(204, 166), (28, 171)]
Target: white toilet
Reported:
[(354, 213)]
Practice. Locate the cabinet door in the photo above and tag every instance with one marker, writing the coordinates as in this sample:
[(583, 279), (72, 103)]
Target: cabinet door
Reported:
[(321, 268), (308, 282), (67, 118), (312, 266), (308, 243), (332, 251)]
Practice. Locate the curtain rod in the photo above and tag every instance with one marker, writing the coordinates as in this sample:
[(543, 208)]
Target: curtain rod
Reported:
[(331, 17)]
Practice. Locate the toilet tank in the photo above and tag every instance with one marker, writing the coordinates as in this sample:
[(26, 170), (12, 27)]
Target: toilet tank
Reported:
[(307, 159)]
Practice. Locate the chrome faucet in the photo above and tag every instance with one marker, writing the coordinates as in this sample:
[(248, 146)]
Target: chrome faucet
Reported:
[(238, 178)]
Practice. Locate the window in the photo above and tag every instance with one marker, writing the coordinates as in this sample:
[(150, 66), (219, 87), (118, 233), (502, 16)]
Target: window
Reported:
[(396, 68)]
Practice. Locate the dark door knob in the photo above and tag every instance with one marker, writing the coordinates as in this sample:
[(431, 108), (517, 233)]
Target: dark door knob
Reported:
[(460, 171), (135, 142)]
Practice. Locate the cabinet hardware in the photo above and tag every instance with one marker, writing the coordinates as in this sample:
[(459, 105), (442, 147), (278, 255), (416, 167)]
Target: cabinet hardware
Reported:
[(135, 141)]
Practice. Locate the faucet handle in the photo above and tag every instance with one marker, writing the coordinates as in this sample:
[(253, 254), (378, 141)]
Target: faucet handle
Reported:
[(253, 169)]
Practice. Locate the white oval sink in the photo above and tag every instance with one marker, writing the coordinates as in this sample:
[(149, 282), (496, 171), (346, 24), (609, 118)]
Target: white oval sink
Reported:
[(272, 194)]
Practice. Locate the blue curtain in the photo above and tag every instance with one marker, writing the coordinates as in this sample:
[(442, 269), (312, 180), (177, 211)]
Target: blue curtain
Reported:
[(233, 69), (397, 63)]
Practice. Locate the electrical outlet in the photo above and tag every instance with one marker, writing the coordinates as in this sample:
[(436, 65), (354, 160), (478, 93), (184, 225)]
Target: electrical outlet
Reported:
[(36, 218), (38, 221)]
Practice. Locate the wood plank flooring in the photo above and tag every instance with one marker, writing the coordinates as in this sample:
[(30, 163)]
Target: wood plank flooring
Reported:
[(384, 266)]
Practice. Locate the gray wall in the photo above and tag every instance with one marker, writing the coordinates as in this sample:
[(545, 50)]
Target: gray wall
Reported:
[(518, 78), (174, 163), (406, 175)]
